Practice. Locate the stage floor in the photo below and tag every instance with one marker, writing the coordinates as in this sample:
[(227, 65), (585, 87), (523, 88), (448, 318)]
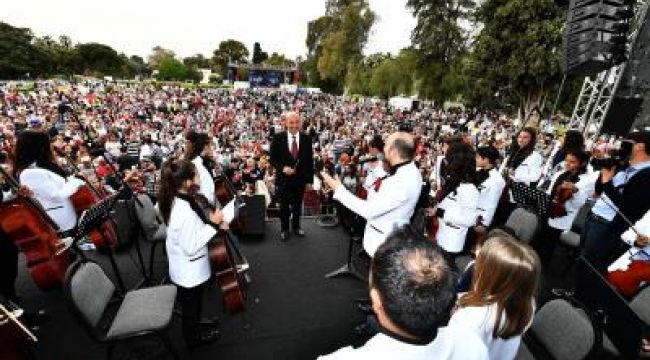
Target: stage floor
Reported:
[(293, 312)]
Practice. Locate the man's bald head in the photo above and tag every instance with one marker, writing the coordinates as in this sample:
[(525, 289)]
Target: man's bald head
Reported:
[(400, 147), (292, 122)]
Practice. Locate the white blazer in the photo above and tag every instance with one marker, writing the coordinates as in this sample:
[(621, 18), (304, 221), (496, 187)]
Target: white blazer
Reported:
[(391, 207), (187, 250), (529, 171), (450, 344), (489, 194), (53, 193), (461, 211), (207, 183), (480, 321), (585, 185)]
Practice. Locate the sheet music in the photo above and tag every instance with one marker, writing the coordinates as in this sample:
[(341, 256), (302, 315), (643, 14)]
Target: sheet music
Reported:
[(229, 211)]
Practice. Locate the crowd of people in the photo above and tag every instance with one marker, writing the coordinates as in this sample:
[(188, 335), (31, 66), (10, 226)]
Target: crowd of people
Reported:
[(443, 177)]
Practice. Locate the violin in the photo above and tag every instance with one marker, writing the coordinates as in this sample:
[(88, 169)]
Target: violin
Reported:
[(37, 236), (16, 340), (85, 198), (560, 196)]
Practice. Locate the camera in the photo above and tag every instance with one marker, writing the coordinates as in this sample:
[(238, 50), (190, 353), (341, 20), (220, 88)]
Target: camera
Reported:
[(618, 158)]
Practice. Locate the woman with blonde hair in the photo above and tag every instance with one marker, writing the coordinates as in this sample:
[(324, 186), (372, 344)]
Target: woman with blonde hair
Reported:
[(501, 302)]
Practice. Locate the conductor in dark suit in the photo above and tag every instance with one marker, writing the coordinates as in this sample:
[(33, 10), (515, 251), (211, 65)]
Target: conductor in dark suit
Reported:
[(292, 157)]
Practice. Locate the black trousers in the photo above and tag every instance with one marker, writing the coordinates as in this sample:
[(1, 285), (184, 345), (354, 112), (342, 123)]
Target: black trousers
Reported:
[(546, 243), (191, 300), (290, 198), (8, 267)]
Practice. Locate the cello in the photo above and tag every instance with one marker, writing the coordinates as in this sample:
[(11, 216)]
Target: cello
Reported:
[(222, 262), (16, 341), (34, 232)]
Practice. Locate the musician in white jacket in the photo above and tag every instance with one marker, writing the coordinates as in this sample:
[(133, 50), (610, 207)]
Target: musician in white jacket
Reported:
[(523, 165), (198, 146), (581, 183), (395, 201), (457, 211), (491, 183), (35, 168), (188, 233)]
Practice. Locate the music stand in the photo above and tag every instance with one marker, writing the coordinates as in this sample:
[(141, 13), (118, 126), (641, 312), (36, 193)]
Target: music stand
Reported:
[(92, 219), (622, 324), (348, 268), (531, 198)]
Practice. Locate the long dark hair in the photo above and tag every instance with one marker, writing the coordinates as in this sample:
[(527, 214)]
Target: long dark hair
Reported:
[(196, 142), (518, 155), (172, 175), (34, 146), (461, 167)]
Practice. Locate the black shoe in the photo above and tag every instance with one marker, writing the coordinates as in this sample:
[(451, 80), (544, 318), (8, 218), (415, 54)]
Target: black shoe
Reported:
[(365, 308), (299, 232), (284, 236)]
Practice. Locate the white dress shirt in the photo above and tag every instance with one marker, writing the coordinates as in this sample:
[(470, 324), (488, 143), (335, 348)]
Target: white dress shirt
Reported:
[(461, 211), (207, 183), (187, 250), (53, 193), (291, 138), (391, 207), (450, 344), (489, 194), (480, 320)]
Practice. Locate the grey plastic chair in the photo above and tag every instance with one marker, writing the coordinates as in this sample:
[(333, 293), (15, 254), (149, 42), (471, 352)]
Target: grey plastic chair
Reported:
[(143, 312), (524, 224), (565, 332)]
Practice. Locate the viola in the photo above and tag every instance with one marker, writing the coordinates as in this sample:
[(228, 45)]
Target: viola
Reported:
[(37, 236), (16, 341)]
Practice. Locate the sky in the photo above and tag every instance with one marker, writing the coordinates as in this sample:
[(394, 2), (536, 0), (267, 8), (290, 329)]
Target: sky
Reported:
[(197, 26)]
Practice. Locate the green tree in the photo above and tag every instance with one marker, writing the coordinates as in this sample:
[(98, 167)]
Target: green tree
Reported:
[(158, 53), (99, 60), (259, 56), (171, 69), (346, 42), (18, 56), (139, 66), (229, 51), (335, 42), (197, 61), (440, 43), (516, 52), (279, 60)]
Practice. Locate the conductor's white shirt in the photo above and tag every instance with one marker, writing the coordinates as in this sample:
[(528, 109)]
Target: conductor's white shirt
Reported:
[(450, 344), (392, 206)]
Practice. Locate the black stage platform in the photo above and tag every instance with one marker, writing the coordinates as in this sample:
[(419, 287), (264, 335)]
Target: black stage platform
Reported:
[(293, 312)]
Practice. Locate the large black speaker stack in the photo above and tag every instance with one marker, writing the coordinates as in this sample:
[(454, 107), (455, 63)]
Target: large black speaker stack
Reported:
[(595, 35)]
